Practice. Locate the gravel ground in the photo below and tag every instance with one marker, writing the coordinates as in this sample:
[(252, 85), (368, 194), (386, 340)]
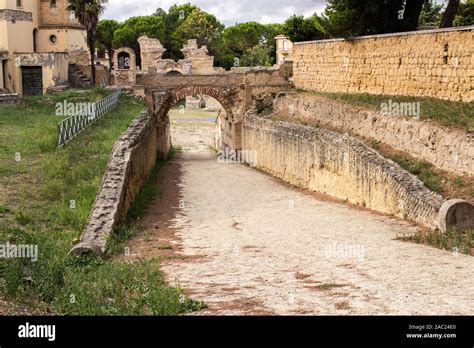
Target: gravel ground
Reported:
[(246, 243)]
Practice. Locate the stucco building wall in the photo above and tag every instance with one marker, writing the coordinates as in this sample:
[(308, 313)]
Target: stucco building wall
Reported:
[(28, 30)]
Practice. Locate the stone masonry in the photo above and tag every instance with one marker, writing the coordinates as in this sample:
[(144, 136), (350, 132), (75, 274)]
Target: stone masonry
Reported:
[(434, 63), (447, 148), (345, 168), (133, 157)]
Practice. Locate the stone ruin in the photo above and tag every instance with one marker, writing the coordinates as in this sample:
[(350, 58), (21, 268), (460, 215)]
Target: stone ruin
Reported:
[(197, 60), (125, 67)]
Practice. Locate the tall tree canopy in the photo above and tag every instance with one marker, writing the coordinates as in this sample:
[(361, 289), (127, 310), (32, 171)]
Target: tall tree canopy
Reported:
[(105, 36), (430, 14), (299, 28), (346, 18), (465, 15)]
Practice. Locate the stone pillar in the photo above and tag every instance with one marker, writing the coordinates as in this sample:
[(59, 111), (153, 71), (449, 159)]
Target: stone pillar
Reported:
[(151, 51)]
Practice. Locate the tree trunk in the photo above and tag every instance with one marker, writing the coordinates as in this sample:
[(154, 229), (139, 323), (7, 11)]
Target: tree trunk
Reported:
[(412, 14), (448, 15), (110, 52), (92, 50), (91, 44)]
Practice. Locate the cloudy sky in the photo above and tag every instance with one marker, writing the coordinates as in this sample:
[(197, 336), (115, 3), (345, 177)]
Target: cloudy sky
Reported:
[(228, 12)]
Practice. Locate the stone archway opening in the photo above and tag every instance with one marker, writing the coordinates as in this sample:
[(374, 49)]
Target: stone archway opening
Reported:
[(194, 128), (173, 73), (174, 106)]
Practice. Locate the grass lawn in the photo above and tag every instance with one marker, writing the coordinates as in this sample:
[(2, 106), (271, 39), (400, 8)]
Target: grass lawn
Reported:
[(447, 113), (45, 198)]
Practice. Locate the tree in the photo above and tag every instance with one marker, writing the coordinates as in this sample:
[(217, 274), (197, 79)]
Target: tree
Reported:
[(465, 14), (260, 55), (346, 18), (87, 13), (134, 27), (160, 13), (411, 14), (430, 14), (176, 16), (198, 25), (449, 14), (298, 28), (243, 42), (105, 36)]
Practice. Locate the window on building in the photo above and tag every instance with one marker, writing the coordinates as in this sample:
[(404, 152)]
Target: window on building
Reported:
[(285, 45), (53, 39), (101, 54), (19, 3), (52, 3)]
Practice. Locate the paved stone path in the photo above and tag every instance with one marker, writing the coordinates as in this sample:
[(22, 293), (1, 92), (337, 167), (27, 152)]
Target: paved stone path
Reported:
[(246, 243)]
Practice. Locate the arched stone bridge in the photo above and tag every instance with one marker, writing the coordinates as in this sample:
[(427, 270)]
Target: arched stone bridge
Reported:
[(234, 91)]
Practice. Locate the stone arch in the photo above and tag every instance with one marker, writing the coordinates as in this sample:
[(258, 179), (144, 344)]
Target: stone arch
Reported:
[(174, 72), (125, 52), (125, 75), (230, 98), (223, 95)]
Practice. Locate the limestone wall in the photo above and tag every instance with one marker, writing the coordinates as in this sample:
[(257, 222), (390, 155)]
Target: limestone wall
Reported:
[(445, 147), (435, 63), (133, 157), (342, 167)]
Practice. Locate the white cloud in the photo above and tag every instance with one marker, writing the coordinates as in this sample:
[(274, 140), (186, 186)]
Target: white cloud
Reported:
[(228, 12)]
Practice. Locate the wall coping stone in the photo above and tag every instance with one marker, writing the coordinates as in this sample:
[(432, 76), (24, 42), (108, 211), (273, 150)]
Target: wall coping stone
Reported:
[(407, 33)]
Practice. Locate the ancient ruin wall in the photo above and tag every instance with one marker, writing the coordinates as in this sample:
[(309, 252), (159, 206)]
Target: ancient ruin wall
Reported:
[(435, 63), (345, 168), (133, 157), (445, 147)]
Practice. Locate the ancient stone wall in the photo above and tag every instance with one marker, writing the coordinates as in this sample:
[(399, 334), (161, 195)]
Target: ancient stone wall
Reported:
[(345, 168), (133, 157), (435, 63), (447, 148)]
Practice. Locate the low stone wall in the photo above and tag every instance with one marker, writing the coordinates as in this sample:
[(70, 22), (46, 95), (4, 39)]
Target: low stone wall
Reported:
[(345, 168), (9, 99), (430, 63), (133, 157), (446, 148)]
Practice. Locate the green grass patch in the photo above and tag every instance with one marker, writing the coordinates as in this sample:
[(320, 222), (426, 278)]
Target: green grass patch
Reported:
[(451, 241), (422, 169), (49, 194), (447, 113)]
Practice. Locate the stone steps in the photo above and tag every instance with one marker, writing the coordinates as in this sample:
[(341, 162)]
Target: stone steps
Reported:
[(78, 78)]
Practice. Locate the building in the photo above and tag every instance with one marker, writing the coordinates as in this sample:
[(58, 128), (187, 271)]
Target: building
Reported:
[(39, 39), (284, 49)]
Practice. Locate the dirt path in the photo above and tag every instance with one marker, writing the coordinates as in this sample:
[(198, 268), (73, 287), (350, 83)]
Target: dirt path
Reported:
[(247, 244)]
